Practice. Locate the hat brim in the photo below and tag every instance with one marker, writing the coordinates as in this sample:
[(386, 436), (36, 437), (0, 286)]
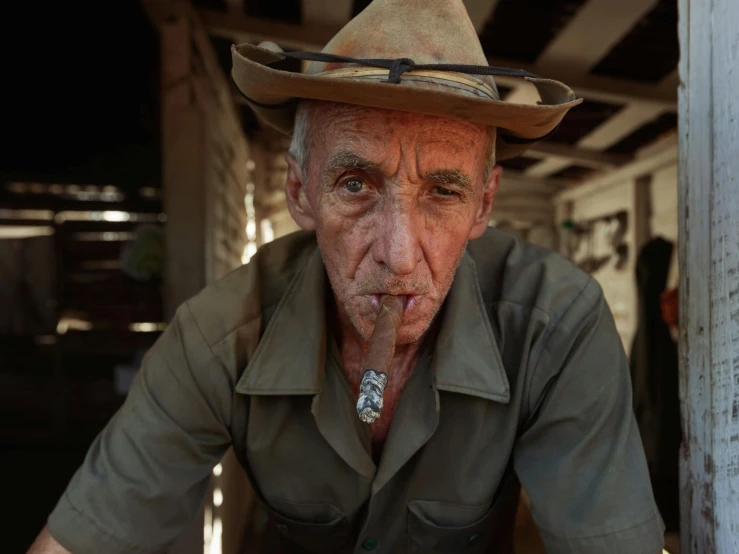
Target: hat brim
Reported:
[(271, 93)]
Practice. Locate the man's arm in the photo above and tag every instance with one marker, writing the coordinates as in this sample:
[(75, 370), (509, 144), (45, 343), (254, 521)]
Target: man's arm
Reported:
[(46, 544), (580, 458), (145, 474)]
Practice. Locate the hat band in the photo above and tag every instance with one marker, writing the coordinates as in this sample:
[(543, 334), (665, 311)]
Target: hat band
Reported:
[(457, 78)]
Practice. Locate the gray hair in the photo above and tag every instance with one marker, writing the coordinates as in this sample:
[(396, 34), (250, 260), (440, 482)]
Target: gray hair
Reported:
[(302, 134)]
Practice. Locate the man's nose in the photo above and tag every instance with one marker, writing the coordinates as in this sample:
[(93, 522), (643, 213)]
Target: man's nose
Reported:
[(397, 244)]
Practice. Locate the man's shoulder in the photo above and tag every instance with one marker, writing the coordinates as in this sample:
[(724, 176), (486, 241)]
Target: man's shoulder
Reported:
[(241, 298), (512, 270)]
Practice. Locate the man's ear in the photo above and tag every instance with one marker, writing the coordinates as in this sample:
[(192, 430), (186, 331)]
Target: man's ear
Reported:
[(297, 199), (488, 195)]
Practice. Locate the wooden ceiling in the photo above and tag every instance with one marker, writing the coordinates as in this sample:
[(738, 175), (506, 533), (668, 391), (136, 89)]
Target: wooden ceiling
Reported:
[(620, 56), (83, 105)]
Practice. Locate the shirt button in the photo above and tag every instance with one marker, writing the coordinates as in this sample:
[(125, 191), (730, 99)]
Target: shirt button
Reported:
[(473, 538), (369, 544)]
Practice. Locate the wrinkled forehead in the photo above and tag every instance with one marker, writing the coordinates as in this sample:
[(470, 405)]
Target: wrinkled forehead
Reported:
[(339, 126)]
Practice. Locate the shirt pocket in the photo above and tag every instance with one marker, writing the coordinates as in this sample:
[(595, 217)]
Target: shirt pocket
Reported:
[(444, 527), (317, 527)]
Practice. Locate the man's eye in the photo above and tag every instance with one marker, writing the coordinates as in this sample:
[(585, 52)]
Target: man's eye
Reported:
[(353, 185), (441, 191)]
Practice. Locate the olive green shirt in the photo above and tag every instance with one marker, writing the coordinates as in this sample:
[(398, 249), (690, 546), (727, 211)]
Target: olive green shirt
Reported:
[(525, 381)]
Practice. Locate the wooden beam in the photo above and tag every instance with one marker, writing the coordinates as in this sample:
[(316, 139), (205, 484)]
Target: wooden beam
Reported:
[(596, 28), (619, 126), (587, 157), (708, 199), (595, 87), (653, 158), (182, 167), (642, 202), (602, 137), (563, 212), (518, 179), (547, 167)]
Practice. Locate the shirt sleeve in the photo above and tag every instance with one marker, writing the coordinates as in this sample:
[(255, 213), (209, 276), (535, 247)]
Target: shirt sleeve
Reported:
[(580, 458), (145, 475)]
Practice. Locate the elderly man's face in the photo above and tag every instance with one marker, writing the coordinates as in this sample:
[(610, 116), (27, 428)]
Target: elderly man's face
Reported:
[(393, 197)]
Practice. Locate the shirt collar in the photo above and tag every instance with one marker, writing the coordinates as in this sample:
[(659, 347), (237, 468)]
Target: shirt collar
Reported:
[(466, 358), (291, 356)]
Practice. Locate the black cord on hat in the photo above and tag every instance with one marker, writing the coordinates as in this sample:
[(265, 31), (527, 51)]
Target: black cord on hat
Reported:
[(399, 66)]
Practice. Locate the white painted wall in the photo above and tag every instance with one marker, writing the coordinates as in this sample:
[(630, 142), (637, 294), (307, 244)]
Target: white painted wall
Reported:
[(619, 285)]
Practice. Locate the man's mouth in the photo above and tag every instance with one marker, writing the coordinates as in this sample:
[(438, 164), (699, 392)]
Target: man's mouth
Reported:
[(410, 302)]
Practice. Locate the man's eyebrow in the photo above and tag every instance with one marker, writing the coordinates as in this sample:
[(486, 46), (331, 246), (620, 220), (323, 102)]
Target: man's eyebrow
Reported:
[(450, 177), (346, 159)]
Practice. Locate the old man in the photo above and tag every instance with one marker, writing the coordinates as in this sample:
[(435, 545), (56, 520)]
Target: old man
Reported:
[(507, 369)]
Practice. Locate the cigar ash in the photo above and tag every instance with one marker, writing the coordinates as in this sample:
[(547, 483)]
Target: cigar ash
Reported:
[(379, 358)]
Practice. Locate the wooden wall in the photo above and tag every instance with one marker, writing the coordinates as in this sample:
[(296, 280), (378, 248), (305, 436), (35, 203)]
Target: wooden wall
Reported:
[(206, 172)]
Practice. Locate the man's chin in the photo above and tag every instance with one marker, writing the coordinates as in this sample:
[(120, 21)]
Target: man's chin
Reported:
[(411, 334)]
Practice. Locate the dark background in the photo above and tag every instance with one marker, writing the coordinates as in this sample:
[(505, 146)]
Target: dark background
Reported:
[(80, 96)]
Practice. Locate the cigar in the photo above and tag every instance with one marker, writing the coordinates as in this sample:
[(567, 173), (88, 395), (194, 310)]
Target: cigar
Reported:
[(379, 355)]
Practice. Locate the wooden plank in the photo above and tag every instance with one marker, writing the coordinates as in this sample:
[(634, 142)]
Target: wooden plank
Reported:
[(510, 187), (639, 167), (182, 168), (182, 178), (516, 178), (602, 137), (709, 276), (525, 208), (619, 126), (595, 87), (547, 167), (563, 212), (588, 157), (587, 37), (212, 66), (642, 192), (505, 214)]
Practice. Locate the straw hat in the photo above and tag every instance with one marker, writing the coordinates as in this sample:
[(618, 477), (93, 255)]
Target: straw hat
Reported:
[(420, 56)]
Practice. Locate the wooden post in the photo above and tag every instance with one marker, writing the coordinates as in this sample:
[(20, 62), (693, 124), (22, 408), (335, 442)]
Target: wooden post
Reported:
[(183, 188), (708, 187), (563, 212), (642, 190), (182, 164)]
